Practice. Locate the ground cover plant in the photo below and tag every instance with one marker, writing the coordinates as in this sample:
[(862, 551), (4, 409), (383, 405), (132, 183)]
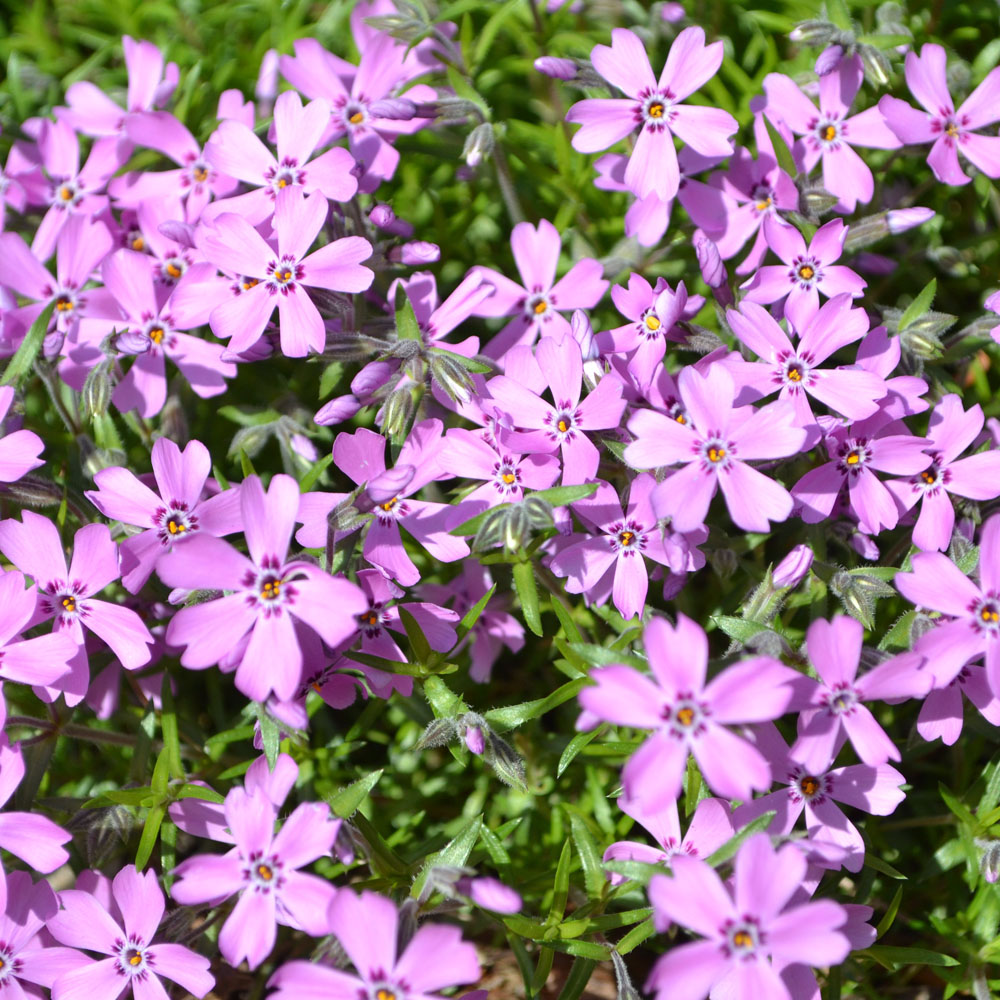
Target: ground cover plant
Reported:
[(496, 486)]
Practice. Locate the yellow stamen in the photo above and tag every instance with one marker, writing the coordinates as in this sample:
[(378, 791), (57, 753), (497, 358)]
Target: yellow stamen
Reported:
[(66, 193), (989, 615), (200, 175), (806, 273), (685, 716), (174, 528), (69, 603), (563, 426), (653, 322), (508, 477), (64, 304), (741, 939), (284, 275), (138, 243), (389, 504), (270, 590), (265, 872), (655, 110), (156, 334), (249, 283), (951, 129), (626, 537), (384, 994), (357, 118), (795, 374), (173, 270), (830, 133), (929, 477), (809, 785), (854, 457), (540, 307), (716, 454), (763, 206)]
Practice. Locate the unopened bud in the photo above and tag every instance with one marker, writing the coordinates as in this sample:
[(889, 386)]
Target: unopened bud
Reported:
[(397, 109), (490, 894), (475, 740), (382, 216), (583, 334), (673, 12), (829, 59), (490, 530), (96, 394), (178, 232), (866, 231), (855, 602), (336, 411), (725, 562), (251, 440), (507, 763), (478, 144), (817, 201), (372, 377), (921, 343), (767, 642), (455, 380), (450, 109), (792, 570), (131, 342), (267, 79), (439, 733), (902, 219), (388, 485), (558, 69), (876, 65), (515, 527), (397, 412), (989, 859), (103, 458), (921, 625), (539, 512), (713, 270), (415, 253), (813, 32), (624, 988)]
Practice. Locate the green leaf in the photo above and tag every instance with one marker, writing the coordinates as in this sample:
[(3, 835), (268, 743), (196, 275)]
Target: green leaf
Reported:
[(560, 887), (150, 829), (566, 620), (498, 853), (192, 791), (168, 726), (582, 949), (890, 914), (269, 734), (161, 774), (510, 716), (559, 496), (636, 936), (396, 667), (453, 855), (246, 465), (731, 846), (893, 958), (575, 745), (781, 151), (384, 859), (331, 376), (877, 864), (527, 594), (24, 357), (839, 14), (959, 808), (471, 616), (419, 645), (248, 417), (578, 978), (442, 699), (407, 327), (636, 871), (346, 802), (590, 856), (310, 479), (739, 628), (601, 656), (472, 526), (919, 305)]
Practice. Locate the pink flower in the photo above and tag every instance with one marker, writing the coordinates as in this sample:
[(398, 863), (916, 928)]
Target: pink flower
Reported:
[(19, 450), (134, 962), (747, 926), (538, 303), (177, 514), (263, 869), (713, 440), (267, 591), (367, 927), (281, 277), (806, 271), (951, 131), (829, 135), (689, 716), (653, 105)]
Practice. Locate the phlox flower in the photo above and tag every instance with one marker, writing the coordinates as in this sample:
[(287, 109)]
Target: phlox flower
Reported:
[(267, 591), (654, 107), (367, 927), (856, 451), (710, 827), (177, 513), (19, 449), (28, 959), (611, 560), (436, 319), (828, 135), (951, 431), (950, 130), (833, 705), (70, 189), (263, 869), (943, 714), (689, 716), (133, 962), (937, 584), (805, 271), (280, 277), (67, 595), (34, 838), (537, 305), (795, 370), (749, 926), (815, 791), (236, 151), (362, 108), (714, 441), (557, 364)]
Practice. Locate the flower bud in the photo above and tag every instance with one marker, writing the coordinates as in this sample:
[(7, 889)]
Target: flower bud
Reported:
[(855, 601), (439, 733), (583, 334), (813, 32), (336, 411), (876, 65), (507, 763), (767, 642), (451, 110), (372, 377), (989, 860), (672, 12), (96, 394), (902, 219), (725, 562), (713, 270), (539, 512), (397, 109), (515, 527), (866, 231), (382, 216), (397, 412), (829, 59), (455, 380), (817, 201), (267, 82), (557, 68), (178, 232), (490, 894), (478, 144), (388, 485), (414, 254), (792, 570), (475, 740), (625, 990), (131, 342)]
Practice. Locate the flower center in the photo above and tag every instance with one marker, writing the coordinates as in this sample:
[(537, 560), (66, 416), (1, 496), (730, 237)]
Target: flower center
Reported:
[(537, 306), (655, 111), (64, 304), (284, 274), (742, 938), (842, 701), (155, 334), (809, 785), (357, 118), (653, 322), (986, 614), (685, 717), (173, 268), (69, 604), (382, 991), (137, 243), (853, 456), (263, 873), (199, 172), (951, 130), (270, 587), (827, 132), (716, 452), (247, 283), (806, 273), (133, 958), (794, 372)]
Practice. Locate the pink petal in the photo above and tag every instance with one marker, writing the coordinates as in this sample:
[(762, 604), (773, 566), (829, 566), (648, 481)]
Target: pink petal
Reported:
[(926, 78), (909, 124), (811, 934), (235, 246), (95, 558), (705, 130), (122, 629), (938, 584), (210, 630), (690, 62), (652, 167), (250, 930), (235, 151), (625, 63), (437, 957), (694, 897), (183, 966), (272, 660), (752, 499), (624, 697), (366, 927), (337, 265), (84, 923), (536, 253), (688, 971), (765, 879), (140, 899), (685, 497), (732, 767)]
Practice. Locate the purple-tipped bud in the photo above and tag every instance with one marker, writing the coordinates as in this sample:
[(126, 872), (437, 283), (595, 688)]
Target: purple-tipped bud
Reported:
[(490, 894), (672, 12), (389, 484), (558, 69), (260, 351), (583, 334), (901, 219), (131, 342), (337, 411), (993, 303), (373, 376), (301, 445), (829, 59), (382, 216), (875, 263), (179, 232), (712, 268), (416, 253), (267, 78), (864, 545), (165, 90), (791, 571), (397, 109), (475, 741)]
